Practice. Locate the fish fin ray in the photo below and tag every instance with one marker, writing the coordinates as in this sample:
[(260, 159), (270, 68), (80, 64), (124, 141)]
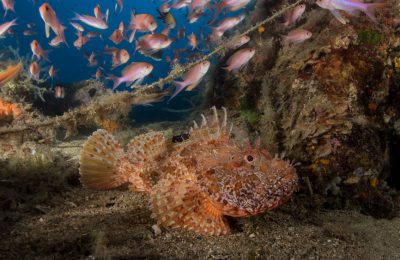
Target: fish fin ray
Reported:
[(178, 203), (102, 162)]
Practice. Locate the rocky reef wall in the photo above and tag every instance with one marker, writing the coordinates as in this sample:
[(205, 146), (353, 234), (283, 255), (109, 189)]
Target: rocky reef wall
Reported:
[(330, 103)]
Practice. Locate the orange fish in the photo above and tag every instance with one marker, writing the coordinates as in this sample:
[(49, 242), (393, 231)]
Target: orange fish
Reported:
[(28, 33), (181, 33), (92, 59), (192, 41), (52, 72), (10, 73), (119, 56), (117, 36), (141, 23), (97, 12), (99, 74), (34, 69), (81, 40), (37, 51), (205, 178), (56, 41), (51, 21)]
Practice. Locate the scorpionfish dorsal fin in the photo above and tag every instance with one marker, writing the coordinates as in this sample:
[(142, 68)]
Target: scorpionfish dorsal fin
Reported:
[(146, 147), (211, 130), (178, 203)]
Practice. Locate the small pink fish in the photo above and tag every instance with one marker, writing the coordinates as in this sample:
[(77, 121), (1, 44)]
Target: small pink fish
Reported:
[(195, 15), (56, 41), (8, 5), (28, 33), (238, 42), (91, 21), (197, 5), (92, 60), (351, 7), (166, 31), (97, 12), (34, 70), (81, 40), (133, 73), (77, 26), (232, 5), (6, 26), (99, 74), (180, 33), (294, 14), (164, 8), (119, 56), (239, 59), (59, 92), (141, 23), (152, 43), (296, 36), (51, 21), (226, 24), (37, 51), (52, 72), (31, 25), (116, 37), (192, 78), (178, 4), (121, 5), (192, 41)]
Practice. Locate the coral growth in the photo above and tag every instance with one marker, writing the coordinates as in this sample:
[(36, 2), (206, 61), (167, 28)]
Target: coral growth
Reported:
[(9, 111)]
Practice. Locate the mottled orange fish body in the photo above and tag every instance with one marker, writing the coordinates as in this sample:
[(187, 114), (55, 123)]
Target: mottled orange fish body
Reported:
[(192, 184), (10, 73)]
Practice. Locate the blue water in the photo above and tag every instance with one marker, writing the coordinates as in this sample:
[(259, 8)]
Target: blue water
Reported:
[(71, 64)]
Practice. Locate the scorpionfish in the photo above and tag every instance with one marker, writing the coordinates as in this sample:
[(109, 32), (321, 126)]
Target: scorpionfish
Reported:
[(192, 184)]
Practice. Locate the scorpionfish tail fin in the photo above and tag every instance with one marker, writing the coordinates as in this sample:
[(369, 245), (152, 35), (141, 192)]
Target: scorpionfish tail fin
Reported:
[(179, 204), (146, 148), (103, 162), (212, 130)]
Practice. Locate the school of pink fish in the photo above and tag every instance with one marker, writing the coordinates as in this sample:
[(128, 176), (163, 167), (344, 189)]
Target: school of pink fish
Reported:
[(151, 44)]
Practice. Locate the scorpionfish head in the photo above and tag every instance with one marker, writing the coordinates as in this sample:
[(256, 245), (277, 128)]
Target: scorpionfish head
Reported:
[(249, 182)]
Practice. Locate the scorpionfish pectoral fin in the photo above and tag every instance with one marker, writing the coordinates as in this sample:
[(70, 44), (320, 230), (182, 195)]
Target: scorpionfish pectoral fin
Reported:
[(104, 165), (178, 203)]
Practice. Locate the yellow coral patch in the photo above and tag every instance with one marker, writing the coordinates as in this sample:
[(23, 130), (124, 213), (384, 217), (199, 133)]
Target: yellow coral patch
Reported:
[(374, 182)]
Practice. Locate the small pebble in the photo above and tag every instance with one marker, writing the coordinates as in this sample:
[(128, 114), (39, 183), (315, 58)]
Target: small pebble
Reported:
[(156, 229), (252, 235)]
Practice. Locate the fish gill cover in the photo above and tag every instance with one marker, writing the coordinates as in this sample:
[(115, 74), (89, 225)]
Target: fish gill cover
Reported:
[(98, 33)]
